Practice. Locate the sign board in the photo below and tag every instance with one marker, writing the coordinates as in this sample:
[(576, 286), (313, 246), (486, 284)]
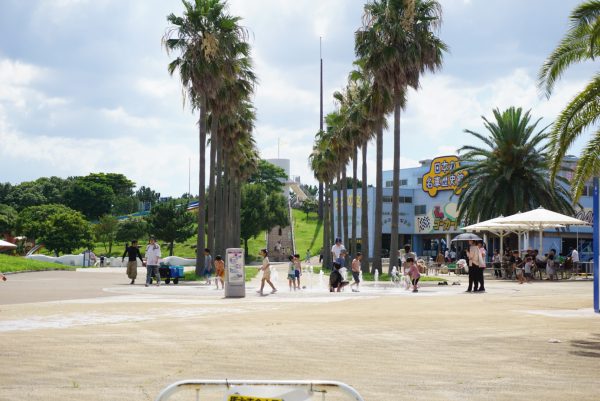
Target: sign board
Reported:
[(236, 397), (235, 278), (441, 175), (596, 246), (440, 219)]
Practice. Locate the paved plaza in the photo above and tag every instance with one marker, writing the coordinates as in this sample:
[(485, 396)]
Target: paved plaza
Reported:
[(88, 335)]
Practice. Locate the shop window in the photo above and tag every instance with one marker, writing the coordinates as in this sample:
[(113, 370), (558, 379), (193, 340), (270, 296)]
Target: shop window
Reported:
[(420, 209)]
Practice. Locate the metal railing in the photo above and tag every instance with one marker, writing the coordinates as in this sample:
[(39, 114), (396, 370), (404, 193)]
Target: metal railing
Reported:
[(320, 387)]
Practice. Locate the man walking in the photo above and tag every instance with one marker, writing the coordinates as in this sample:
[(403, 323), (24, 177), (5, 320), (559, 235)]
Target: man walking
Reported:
[(152, 256), (473, 256), (132, 252)]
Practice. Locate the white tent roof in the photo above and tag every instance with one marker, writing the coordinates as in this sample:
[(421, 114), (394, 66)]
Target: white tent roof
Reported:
[(541, 218), (6, 245)]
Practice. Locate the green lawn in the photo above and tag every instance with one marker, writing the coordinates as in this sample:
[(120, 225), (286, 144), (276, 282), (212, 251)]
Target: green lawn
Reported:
[(308, 233), (19, 263)]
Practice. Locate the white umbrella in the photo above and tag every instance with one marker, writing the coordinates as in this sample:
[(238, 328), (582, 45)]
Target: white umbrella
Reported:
[(467, 237), (6, 245), (540, 219)]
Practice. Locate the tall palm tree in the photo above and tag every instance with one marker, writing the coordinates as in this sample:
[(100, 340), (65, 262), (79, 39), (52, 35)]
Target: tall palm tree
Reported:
[(396, 44), (321, 162), (203, 39), (510, 172), (581, 43)]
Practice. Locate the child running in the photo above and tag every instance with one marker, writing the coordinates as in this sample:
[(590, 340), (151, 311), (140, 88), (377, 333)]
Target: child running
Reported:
[(219, 272), (527, 268), (413, 273), (266, 270), (356, 271), (291, 273), (297, 269)]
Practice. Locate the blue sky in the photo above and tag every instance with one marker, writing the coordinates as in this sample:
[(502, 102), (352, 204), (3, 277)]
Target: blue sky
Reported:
[(84, 85)]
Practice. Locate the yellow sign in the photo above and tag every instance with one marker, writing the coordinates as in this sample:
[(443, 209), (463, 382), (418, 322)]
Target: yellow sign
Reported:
[(441, 175), (235, 397)]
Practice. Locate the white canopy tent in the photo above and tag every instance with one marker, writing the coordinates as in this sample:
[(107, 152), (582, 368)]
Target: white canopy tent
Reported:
[(501, 230), (496, 226), (4, 245), (540, 219)]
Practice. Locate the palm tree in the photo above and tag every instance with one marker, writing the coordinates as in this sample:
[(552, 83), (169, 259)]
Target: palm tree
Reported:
[(321, 162), (396, 44), (203, 38), (581, 43), (510, 172)]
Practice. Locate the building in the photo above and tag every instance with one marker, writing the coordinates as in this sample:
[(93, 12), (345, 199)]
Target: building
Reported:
[(428, 211)]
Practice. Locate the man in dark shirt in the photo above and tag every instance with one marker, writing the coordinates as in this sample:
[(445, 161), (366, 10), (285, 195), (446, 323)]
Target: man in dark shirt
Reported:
[(132, 252)]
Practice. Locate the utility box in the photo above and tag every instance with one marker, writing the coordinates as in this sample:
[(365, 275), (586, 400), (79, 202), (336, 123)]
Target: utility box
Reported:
[(235, 273)]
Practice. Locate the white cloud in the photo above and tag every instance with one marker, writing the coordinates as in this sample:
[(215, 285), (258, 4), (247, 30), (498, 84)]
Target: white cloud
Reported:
[(120, 116)]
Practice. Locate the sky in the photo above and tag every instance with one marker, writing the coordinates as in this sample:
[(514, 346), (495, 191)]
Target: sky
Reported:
[(84, 85)]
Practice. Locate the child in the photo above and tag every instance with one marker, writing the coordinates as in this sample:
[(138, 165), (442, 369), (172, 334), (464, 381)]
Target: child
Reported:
[(208, 268), (219, 271), (297, 269), (342, 258), (336, 282), (266, 271), (2, 277), (356, 271), (413, 273), (550, 267), (291, 273), (528, 266)]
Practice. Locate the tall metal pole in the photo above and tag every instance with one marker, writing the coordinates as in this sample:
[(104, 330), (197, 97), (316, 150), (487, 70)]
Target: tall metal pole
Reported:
[(321, 125), (596, 246), (190, 176)]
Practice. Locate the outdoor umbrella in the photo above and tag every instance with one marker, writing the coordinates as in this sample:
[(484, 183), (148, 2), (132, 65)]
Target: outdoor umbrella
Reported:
[(540, 219), (467, 237), (6, 245)]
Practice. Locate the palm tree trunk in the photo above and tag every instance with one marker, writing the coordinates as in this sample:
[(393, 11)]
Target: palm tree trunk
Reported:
[(378, 202), (354, 189), (395, 184), (344, 206), (331, 225), (339, 206), (211, 185), (201, 188), (326, 231), (364, 223), (320, 200), (219, 200)]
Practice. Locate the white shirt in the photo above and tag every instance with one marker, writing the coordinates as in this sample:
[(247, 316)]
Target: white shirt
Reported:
[(575, 255), (152, 254), (337, 249)]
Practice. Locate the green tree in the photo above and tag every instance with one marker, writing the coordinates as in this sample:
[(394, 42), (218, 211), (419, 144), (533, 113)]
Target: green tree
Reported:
[(5, 188), (510, 173), (66, 231), (123, 204), (24, 195), (269, 175), (106, 231), (171, 222), (8, 219), (253, 213), (59, 228), (118, 183), (131, 229), (91, 198), (396, 45), (31, 220), (309, 205), (146, 194), (52, 188), (581, 43)]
